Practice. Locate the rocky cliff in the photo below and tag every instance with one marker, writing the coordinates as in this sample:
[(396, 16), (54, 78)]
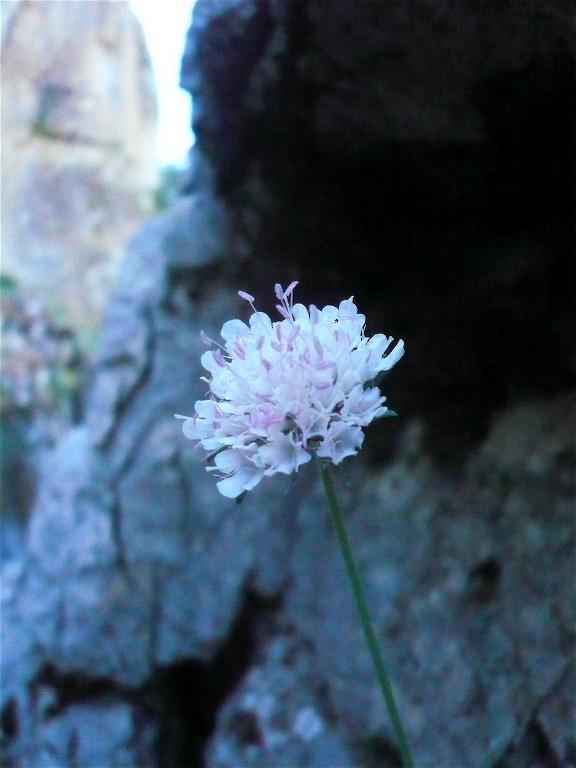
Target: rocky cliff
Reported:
[(418, 156), (78, 160)]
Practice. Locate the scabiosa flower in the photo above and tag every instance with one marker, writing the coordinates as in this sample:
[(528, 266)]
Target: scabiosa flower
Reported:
[(283, 391)]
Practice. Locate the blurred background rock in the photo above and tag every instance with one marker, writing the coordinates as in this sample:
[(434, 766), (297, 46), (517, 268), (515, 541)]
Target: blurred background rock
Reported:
[(41, 368), (79, 174), (418, 156), (79, 169)]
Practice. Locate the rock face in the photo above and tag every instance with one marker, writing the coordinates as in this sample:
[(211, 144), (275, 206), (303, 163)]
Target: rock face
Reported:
[(78, 130), (40, 372), (414, 155)]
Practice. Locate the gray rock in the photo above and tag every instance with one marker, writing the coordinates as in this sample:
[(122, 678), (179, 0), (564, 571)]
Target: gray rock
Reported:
[(133, 561), (321, 157), (77, 150), (20, 655), (100, 733), (557, 713), (225, 64), (456, 600), (276, 716)]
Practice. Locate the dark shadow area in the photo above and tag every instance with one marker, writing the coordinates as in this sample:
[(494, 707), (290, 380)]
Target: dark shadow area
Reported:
[(189, 694), (466, 250), (377, 752), (534, 751), (182, 699)]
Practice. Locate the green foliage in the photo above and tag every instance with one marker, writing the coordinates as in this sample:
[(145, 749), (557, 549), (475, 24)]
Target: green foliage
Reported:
[(8, 285), (63, 384), (40, 380), (169, 188), (40, 371)]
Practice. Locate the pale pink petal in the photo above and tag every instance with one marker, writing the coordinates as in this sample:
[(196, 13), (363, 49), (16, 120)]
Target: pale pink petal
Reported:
[(281, 391)]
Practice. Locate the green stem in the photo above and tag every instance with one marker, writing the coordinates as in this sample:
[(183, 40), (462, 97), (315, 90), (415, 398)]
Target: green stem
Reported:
[(338, 522)]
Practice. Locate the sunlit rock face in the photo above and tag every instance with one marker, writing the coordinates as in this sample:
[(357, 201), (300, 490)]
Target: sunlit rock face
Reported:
[(78, 166)]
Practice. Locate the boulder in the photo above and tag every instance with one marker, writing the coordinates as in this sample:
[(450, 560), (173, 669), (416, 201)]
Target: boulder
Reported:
[(414, 155), (78, 131)]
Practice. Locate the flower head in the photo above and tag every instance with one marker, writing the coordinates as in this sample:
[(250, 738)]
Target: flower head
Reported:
[(282, 391)]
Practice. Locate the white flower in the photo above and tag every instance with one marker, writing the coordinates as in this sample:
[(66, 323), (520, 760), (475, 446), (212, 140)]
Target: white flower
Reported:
[(282, 391)]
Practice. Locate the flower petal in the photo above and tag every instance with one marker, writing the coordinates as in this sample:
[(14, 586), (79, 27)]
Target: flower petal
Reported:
[(241, 481), (283, 455), (281, 390)]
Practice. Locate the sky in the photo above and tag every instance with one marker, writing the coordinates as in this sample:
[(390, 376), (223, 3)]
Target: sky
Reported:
[(165, 24)]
